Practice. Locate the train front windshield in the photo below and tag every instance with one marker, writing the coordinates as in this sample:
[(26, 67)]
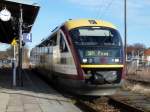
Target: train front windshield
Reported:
[(97, 45)]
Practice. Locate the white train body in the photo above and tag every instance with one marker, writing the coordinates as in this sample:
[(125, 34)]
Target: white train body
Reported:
[(85, 68)]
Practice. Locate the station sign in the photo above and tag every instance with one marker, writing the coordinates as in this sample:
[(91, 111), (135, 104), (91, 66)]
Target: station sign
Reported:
[(27, 37)]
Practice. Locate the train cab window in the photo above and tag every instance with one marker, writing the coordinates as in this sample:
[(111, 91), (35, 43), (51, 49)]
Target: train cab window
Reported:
[(63, 46)]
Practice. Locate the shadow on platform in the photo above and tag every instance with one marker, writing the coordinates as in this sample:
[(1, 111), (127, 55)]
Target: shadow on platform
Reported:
[(5, 78), (32, 84)]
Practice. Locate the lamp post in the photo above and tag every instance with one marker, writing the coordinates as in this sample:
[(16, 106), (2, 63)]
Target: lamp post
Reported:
[(125, 33), (14, 43), (20, 47)]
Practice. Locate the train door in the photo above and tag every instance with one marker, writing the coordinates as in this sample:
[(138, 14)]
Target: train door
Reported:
[(67, 65)]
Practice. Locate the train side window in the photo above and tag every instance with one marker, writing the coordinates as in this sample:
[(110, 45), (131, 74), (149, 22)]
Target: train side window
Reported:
[(63, 46), (53, 41)]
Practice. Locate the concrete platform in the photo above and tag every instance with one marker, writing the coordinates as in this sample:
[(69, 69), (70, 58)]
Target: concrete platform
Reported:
[(34, 96)]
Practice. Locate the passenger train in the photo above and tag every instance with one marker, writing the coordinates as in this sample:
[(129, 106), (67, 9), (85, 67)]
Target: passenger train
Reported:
[(85, 56)]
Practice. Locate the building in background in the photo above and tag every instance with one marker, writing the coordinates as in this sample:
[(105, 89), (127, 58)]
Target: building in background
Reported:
[(147, 56)]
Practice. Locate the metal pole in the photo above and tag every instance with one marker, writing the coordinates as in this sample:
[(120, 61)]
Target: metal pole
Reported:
[(20, 46), (14, 68), (125, 33)]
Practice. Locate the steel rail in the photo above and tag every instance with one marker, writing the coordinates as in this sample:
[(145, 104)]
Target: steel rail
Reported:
[(124, 106), (85, 107)]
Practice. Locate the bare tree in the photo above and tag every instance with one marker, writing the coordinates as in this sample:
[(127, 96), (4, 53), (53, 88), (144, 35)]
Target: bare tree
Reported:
[(135, 49), (139, 46)]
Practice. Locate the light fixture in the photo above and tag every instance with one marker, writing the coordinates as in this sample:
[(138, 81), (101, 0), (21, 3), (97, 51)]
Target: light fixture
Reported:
[(5, 15), (84, 60)]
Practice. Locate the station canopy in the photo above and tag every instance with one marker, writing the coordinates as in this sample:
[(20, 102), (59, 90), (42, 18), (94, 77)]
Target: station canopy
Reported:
[(10, 29)]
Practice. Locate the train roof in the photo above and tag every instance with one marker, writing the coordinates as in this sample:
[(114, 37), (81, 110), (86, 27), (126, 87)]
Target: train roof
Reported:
[(71, 24)]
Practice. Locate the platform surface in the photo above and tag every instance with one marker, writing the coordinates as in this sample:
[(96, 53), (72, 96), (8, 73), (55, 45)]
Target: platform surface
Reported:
[(34, 96)]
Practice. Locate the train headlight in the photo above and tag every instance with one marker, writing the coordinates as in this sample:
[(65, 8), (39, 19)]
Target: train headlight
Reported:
[(116, 60), (84, 60), (90, 60), (110, 77)]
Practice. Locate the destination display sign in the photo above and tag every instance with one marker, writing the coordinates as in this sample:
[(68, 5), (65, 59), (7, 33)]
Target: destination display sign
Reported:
[(95, 53)]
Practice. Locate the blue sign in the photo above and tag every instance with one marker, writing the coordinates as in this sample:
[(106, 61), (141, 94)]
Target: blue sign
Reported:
[(27, 37)]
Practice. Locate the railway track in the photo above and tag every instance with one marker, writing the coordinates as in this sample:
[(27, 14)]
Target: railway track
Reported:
[(100, 105), (107, 104), (140, 81), (124, 107), (137, 101)]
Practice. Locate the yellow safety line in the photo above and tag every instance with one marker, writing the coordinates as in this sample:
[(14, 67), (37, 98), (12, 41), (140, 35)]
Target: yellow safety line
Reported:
[(102, 66)]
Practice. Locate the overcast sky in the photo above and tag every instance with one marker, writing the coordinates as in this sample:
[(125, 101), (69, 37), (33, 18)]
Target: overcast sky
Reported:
[(52, 13)]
